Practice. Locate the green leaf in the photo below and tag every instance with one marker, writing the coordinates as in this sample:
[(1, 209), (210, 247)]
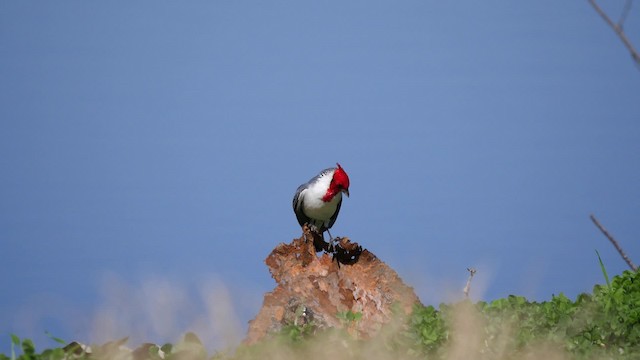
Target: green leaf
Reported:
[(15, 340), (167, 348), (28, 348)]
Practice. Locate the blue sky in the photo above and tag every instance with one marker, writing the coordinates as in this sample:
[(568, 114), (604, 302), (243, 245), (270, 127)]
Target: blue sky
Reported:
[(150, 152)]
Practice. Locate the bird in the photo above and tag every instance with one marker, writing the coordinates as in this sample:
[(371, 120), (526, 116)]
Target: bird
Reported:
[(317, 202)]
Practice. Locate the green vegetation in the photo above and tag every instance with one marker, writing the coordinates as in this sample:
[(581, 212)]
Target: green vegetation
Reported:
[(602, 325)]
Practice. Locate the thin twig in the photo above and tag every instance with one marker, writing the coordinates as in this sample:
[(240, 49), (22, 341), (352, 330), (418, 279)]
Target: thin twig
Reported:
[(625, 12), (619, 31), (467, 287), (614, 242)]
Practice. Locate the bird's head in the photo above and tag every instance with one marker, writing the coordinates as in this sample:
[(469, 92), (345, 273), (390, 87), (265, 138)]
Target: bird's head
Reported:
[(340, 181)]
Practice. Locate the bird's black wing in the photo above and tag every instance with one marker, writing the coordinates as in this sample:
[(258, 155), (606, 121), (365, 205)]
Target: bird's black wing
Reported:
[(298, 203), (335, 214)]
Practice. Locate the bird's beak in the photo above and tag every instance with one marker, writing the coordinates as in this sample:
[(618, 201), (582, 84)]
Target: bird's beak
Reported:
[(346, 191)]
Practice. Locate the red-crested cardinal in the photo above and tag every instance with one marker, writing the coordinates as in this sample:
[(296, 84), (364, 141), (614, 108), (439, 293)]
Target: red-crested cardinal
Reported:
[(317, 202)]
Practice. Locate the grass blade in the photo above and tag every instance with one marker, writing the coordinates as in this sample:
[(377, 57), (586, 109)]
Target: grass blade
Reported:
[(56, 339), (604, 270)]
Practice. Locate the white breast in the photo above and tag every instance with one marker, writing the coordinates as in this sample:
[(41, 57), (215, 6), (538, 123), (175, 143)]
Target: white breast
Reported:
[(314, 207)]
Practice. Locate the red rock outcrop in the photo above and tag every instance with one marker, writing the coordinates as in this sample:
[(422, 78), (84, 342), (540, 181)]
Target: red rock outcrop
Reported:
[(312, 289)]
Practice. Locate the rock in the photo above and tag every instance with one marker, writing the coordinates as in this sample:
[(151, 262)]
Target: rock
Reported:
[(317, 290)]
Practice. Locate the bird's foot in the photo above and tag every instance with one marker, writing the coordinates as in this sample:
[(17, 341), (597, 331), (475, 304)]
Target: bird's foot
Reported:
[(311, 234), (331, 246)]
